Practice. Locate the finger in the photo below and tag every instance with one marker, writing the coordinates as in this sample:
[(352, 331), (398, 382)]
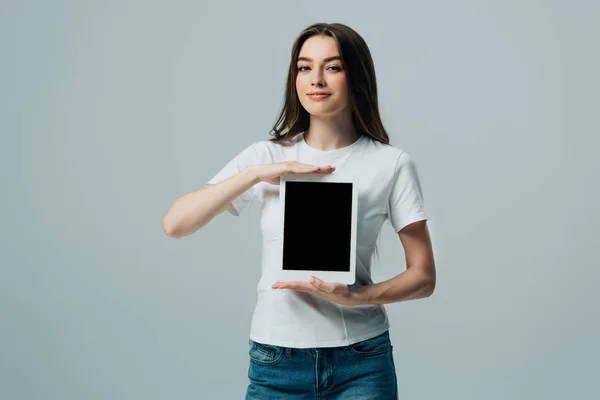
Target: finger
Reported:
[(306, 287), (327, 168), (296, 285), (313, 165), (304, 169), (318, 169), (300, 166), (324, 167)]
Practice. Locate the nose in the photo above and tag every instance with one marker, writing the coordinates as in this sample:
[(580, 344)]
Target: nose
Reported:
[(318, 79)]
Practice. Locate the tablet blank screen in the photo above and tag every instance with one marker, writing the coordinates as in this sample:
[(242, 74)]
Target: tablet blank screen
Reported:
[(317, 226)]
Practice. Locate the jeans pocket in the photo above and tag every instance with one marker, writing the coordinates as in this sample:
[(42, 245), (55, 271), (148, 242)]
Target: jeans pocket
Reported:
[(372, 347), (265, 354)]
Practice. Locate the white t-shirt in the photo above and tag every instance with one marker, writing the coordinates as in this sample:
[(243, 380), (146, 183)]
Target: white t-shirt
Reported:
[(388, 189)]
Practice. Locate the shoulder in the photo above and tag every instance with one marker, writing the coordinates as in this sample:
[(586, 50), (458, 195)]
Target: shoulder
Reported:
[(265, 149), (261, 149), (394, 160), (390, 154), (276, 150)]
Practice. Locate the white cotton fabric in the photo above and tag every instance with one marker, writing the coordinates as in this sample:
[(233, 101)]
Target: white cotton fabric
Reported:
[(388, 189)]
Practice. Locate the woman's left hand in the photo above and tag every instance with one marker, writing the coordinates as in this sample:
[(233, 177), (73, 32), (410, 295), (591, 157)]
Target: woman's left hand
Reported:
[(332, 291)]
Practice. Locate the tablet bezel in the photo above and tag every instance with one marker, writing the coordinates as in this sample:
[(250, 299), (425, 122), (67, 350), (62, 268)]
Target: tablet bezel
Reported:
[(347, 277)]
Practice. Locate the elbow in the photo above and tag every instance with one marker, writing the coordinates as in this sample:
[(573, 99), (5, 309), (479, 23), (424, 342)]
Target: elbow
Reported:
[(427, 283), (429, 286), (177, 230), (170, 228)]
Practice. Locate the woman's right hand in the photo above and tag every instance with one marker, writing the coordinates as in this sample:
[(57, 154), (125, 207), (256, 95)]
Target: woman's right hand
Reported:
[(271, 173)]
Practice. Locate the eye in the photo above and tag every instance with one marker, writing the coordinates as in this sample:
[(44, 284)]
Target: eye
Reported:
[(333, 66)]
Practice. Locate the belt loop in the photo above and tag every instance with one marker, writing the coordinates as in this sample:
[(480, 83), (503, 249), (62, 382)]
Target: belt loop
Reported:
[(288, 352)]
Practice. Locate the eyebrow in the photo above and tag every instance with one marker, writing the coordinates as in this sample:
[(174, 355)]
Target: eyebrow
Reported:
[(325, 60)]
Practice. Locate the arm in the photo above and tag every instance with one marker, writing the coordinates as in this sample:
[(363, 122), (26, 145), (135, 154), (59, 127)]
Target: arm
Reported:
[(196, 209), (418, 281)]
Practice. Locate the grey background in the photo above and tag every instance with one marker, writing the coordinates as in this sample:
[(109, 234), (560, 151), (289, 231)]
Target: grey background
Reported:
[(111, 110)]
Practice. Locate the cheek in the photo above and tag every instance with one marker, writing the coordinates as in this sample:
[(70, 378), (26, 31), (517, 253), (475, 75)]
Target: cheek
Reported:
[(341, 84), (301, 81), (341, 88), (299, 88)]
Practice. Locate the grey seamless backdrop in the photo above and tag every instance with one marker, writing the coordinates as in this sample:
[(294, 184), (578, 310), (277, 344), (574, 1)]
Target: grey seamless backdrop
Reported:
[(113, 109)]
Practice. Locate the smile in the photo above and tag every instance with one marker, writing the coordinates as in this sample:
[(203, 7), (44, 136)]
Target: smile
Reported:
[(318, 96)]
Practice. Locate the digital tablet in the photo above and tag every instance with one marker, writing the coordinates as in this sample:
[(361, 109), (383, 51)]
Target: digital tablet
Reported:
[(319, 213)]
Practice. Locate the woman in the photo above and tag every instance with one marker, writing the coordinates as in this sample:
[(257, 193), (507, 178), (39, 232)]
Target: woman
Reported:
[(319, 339)]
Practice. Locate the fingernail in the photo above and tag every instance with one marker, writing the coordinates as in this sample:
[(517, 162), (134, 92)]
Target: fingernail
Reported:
[(311, 279)]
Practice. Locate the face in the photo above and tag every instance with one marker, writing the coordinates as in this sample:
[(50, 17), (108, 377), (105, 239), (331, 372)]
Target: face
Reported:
[(318, 72)]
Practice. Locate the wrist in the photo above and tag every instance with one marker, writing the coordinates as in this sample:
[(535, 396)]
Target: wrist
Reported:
[(362, 295), (250, 173)]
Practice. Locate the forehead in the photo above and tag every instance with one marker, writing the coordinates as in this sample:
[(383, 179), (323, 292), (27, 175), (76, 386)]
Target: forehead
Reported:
[(318, 47)]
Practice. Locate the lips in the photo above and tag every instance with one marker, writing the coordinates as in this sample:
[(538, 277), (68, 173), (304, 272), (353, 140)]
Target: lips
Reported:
[(318, 96)]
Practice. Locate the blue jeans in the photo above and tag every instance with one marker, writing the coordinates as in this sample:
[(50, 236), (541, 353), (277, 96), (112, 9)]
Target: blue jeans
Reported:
[(363, 371)]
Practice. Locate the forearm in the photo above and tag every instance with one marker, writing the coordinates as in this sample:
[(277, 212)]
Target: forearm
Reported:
[(196, 209), (409, 285)]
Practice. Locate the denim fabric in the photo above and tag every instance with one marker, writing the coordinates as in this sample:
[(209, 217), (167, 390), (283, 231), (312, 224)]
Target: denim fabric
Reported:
[(361, 371)]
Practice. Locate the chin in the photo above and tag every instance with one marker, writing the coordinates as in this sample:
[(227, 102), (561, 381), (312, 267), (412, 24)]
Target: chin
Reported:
[(322, 111)]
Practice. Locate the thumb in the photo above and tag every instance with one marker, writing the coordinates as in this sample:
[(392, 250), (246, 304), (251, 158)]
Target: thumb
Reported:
[(318, 283)]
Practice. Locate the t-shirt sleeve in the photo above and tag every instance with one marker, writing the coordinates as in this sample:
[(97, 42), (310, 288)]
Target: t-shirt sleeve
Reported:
[(406, 203), (251, 155)]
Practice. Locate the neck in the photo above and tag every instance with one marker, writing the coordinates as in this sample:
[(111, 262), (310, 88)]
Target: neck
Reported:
[(330, 132)]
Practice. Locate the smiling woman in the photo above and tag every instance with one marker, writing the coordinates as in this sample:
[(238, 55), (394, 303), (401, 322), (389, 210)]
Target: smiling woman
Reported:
[(314, 339)]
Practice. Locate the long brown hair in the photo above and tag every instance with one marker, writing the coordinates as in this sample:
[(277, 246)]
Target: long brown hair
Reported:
[(362, 85)]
